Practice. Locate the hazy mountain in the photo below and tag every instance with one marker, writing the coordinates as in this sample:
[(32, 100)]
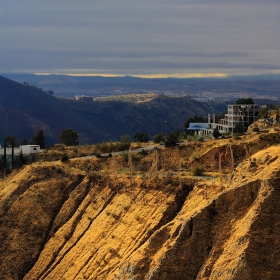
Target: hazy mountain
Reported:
[(25, 109), (231, 88)]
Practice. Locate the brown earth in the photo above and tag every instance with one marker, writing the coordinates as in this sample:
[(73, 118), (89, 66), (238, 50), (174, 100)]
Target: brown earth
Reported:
[(89, 219)]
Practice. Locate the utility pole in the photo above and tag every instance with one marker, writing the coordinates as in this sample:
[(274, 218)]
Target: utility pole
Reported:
[(12, 164)]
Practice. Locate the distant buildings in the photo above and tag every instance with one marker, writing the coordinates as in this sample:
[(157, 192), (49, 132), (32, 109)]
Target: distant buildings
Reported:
[(84, 97), (25, 149)]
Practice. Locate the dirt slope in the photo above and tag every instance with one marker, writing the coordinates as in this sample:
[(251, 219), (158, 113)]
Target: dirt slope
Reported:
[(59, 221)]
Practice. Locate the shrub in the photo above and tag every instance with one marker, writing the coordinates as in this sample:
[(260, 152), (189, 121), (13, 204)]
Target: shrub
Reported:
[(171, 139), (198, 171), (236, 137), (140, 136), (125, 138), (125, 156), (216, 133), (256, 129), (64, 158), (158, 138), (239, 129)]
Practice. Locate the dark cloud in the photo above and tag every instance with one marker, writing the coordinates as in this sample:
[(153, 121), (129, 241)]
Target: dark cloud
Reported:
[(131, 37)]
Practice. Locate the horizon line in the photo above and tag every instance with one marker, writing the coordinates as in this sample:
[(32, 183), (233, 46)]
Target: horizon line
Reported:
[(144, 76)]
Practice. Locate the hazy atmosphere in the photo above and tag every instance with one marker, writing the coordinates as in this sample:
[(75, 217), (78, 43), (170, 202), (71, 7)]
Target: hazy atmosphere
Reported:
[(161, 38)]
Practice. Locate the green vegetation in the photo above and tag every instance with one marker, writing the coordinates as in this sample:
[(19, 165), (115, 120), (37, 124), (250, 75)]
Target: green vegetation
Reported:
[(39, 139), (239, 129), (69, 137), (11, 140), (198, 171), (125, 138), (159, 138), (109, 147), (140, 136), (64, 158), (216, 133), (172, 139), (244, 101)]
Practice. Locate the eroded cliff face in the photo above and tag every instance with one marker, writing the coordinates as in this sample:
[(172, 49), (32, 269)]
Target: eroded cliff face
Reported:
[(60, 222)]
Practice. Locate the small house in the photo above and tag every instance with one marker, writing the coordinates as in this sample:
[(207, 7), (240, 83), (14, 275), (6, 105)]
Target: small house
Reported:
[(30, 149), (197, 127)]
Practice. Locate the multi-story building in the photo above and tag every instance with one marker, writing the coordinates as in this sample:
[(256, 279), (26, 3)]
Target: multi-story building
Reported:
[(244, 114)]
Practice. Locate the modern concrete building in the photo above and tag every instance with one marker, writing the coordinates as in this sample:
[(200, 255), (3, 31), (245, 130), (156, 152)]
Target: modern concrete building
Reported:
[(244, 114)]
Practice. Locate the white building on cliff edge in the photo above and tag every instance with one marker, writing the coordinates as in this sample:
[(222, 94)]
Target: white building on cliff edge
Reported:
[(244, 114)]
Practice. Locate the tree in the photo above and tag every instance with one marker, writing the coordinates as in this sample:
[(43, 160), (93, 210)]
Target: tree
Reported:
[(39, 139), (171, 139), (140, 136), (69, 137), (11, 140), (125, 138), (158, 138), (239, 129), (24, 141), (216, 133), (244, 101)]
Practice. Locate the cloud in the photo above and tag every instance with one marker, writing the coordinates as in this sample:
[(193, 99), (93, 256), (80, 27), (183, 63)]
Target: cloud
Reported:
[(128, 37)]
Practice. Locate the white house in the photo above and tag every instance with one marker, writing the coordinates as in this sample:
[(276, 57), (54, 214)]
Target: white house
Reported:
[(30, 149)]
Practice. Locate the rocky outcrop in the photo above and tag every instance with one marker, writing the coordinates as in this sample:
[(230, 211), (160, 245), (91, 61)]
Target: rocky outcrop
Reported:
[(61, 222)]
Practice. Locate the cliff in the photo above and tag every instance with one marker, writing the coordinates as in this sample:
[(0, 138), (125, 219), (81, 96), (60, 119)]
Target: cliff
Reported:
[(69, 221)]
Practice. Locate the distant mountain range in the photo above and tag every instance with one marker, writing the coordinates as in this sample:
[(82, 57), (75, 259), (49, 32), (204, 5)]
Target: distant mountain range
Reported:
[(24, 109), (230, 88)]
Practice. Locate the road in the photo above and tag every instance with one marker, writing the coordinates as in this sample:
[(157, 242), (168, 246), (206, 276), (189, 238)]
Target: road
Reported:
[(138, 150)]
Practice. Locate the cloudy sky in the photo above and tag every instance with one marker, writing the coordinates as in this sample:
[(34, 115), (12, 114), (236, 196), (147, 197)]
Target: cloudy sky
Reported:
[(148, 37)]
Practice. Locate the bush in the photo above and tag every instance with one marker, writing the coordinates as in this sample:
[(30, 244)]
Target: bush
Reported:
[(64, 158), (239, 129), (216, 133), (171, 139), (158, 138), (198, 171), (125, 138), (140, 136), (256, 129)]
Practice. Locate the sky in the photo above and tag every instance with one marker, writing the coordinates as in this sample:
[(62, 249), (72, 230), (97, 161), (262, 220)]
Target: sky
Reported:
[(148, 38)]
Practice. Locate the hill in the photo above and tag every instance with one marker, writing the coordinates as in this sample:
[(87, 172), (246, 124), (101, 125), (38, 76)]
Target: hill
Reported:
[(230, 88), (89, 219), (24, 109)]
